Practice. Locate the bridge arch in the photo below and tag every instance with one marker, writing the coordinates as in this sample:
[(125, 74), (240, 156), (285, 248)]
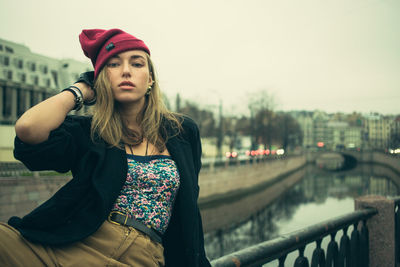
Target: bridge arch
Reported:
[(350, 162), (336, 160)]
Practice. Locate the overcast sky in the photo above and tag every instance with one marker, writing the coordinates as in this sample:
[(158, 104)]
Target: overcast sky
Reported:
[(332, 55)]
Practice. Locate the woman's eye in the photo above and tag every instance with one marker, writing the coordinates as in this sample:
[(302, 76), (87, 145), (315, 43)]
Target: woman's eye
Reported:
[(112, 65), (137, 65)]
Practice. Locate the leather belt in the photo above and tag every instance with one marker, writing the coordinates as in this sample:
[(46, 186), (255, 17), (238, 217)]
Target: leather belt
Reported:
[(119, 218)]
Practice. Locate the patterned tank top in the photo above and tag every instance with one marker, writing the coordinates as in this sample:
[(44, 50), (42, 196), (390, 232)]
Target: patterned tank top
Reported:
[(149, 192)]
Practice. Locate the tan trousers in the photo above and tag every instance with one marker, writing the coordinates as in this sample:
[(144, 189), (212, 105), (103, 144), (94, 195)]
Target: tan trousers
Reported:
[(111, 245)]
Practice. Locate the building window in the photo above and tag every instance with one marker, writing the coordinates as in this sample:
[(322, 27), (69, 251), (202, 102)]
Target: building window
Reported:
[(44, 69), (35, 80), (54, 74), (32, 66), (9, 74), (7, 101), (1, 47), (48, 83), (6, 61), (23, 77), (20, 64), (9, 50)]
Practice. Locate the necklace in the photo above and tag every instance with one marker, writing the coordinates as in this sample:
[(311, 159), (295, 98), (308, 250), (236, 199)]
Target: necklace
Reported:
[(147, 147)]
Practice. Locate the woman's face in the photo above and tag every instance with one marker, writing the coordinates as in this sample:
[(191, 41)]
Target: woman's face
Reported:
[(129, 75)]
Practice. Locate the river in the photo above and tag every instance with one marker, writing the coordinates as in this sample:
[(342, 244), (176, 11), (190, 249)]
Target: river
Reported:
[(318, 196)]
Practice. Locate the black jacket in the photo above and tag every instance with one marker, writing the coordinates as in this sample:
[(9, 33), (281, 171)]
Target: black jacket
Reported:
[(99, 171)]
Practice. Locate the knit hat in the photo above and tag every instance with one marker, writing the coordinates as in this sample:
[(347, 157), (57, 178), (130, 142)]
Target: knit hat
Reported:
[(99, 45)]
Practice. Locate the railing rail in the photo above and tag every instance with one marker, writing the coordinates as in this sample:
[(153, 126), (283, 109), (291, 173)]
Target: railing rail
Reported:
[(12, 169), (353, 251), (397, 229), (17, 169)]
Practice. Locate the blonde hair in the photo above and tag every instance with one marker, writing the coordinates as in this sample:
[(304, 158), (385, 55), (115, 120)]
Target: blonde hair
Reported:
[(108, 124)]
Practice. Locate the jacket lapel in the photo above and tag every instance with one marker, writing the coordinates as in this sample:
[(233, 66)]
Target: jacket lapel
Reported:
[(110, 173)]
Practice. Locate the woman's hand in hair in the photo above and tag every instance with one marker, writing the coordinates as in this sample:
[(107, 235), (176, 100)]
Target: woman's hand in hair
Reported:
[(85, 82), (86, 77)]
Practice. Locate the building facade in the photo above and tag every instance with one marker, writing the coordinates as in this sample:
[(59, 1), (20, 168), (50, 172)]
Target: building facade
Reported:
[(344, 136), (378, 130), (26, 79), (348, 131)]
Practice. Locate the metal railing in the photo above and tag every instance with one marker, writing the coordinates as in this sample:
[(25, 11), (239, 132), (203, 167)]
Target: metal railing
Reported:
[(352, 251), (397, 229), (17, 169)]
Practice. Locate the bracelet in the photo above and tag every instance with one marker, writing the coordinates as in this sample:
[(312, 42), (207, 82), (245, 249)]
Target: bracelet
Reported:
[(78, 96), (92, 101)]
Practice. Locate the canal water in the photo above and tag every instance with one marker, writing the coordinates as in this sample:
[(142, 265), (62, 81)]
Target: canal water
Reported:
[(320, 195)]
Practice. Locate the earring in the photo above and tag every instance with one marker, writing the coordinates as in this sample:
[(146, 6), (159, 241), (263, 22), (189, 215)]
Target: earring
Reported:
[(148, 90)]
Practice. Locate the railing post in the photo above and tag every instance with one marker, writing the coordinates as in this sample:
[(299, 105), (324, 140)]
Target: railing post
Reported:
[(381, 230)]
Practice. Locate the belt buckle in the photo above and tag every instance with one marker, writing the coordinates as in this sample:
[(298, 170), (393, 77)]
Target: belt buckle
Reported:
[(120, 213)]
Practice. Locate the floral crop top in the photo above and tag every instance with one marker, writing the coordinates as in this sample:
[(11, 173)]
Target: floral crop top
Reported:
[(149, 192)]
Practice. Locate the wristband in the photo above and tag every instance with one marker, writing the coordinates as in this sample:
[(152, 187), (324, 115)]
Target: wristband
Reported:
[(78, 96), (92, 101)]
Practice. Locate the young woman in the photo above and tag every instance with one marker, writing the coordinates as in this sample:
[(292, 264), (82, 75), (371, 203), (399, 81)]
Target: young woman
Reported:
[(132, 200)]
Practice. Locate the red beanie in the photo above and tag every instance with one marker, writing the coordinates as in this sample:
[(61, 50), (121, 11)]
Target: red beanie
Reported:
[(99, 45)]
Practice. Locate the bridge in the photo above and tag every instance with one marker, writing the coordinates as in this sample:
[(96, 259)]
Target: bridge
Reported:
[(350, 159)]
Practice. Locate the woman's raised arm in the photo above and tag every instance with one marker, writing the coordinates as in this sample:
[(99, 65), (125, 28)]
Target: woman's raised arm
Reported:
[(35, 125)]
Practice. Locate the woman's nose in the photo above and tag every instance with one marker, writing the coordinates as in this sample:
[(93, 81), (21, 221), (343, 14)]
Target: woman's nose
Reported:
[(126, 70)]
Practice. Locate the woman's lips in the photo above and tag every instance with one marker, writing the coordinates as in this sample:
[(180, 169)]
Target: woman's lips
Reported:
[(126, 84)]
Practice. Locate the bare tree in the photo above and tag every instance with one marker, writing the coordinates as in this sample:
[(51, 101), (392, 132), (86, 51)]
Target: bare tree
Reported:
[(261, 106), (289, 133)]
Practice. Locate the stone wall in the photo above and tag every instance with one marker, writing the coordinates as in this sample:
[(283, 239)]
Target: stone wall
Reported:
[(223, 180), (19, 195), (241, 208)]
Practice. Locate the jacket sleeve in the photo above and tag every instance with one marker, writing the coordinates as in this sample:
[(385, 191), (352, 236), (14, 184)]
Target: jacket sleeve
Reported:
[(60, 150)]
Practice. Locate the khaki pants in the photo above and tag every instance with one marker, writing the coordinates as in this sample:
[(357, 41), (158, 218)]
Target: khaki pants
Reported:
[(111, 245)]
